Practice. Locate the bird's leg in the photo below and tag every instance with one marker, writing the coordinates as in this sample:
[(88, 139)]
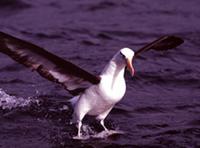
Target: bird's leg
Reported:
[(78, 117), (79, 128), (102, 123), (102, 116)]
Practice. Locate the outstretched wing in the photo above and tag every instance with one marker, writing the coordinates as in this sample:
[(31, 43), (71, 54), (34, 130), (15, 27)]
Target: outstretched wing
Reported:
[(48, 65), (161, 44)]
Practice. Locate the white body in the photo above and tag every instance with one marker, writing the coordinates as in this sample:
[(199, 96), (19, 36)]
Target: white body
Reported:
[(98, 100)]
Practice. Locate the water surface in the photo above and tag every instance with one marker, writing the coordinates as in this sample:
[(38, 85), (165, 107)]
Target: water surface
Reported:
[(161, 107)]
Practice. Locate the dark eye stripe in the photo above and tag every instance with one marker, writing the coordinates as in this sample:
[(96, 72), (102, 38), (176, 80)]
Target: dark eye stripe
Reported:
[(122, 55)]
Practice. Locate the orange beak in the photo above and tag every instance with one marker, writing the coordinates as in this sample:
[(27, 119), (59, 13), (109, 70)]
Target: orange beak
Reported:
[(130, 66)]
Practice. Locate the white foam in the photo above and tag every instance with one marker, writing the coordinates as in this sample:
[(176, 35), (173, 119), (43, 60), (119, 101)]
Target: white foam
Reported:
[(105, 134), (10, 102), (88, 133)]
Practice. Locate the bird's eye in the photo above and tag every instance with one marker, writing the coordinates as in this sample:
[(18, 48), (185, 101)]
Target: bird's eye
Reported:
[(122, 55)]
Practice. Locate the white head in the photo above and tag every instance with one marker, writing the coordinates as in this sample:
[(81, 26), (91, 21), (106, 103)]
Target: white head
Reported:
[(125, 57), (127, 52)]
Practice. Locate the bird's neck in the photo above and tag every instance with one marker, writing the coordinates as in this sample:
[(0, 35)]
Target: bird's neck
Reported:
[(113, 69), (112, 82), (113, 73)]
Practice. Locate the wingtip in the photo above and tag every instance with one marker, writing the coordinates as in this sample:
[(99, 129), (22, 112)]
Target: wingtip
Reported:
[(179, 40)]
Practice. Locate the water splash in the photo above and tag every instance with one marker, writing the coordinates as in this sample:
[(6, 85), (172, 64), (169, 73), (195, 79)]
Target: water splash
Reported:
[(105, 134), (9, 102), (89, 133)]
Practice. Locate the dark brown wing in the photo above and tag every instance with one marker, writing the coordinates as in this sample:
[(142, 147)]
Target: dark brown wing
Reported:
[(48, 65), (161, 44)]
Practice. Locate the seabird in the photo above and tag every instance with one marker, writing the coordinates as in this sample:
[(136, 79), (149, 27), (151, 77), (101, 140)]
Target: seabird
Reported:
[(94, 95), (98, 100)]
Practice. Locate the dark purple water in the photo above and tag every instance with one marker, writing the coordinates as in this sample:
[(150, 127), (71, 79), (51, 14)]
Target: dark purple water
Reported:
[(162, 104)]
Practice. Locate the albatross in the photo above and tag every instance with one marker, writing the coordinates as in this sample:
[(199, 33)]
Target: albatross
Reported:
[(93, 95)]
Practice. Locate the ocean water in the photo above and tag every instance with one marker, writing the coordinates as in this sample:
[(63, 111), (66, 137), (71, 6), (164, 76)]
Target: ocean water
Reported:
[(161, 107)]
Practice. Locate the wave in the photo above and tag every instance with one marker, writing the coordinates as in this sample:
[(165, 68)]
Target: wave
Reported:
[(16, 4), (10, 102)]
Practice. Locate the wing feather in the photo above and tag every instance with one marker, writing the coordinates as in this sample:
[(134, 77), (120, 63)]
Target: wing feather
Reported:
[(48, 65)]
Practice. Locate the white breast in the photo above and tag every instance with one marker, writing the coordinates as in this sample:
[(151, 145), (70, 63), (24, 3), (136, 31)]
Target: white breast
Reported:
[(113, 90)]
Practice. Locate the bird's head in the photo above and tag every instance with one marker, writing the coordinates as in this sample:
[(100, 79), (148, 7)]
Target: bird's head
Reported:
[(127, 54), (124, 58)]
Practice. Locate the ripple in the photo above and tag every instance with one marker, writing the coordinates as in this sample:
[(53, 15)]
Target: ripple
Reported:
[(152, 126), (185, 107), (168, 78), (103, 35), (12, 68), (90, 42), (13, 4), (194, 122), (101, 6), (150, 109), (43, 35), (15, 81)]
